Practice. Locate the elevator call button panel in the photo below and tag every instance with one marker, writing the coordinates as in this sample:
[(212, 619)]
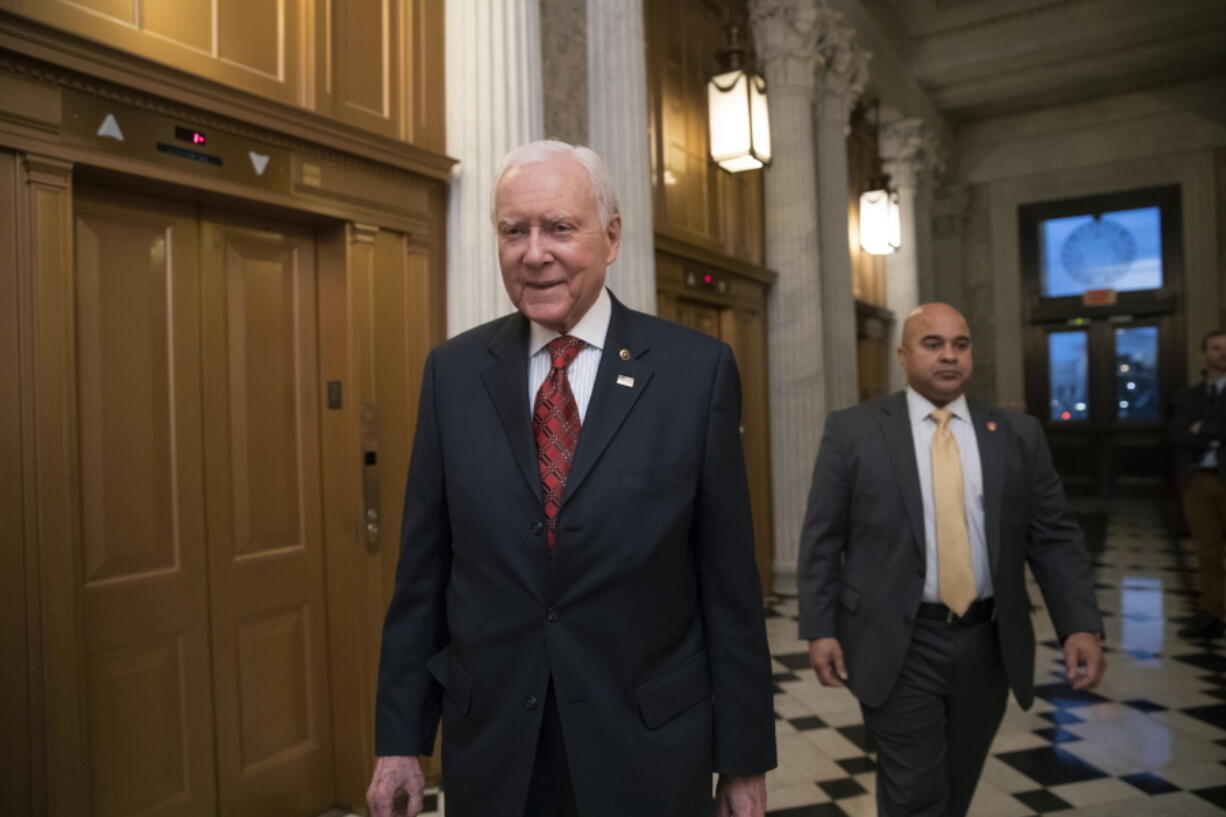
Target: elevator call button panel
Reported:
[(115, 127)]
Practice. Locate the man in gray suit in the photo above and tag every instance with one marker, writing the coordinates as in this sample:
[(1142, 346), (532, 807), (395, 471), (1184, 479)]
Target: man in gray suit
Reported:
[(924, 510)]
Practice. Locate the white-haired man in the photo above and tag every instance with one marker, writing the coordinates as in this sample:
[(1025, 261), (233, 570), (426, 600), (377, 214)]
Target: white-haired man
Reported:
[(576, 592)]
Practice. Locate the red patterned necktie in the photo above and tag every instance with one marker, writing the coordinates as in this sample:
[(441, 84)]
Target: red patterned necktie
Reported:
[(555, 425)]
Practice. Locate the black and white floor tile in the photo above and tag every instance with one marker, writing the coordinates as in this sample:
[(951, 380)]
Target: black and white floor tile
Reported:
[(1151, 740)]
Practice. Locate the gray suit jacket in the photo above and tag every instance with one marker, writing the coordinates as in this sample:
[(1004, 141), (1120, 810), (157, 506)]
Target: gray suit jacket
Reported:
[(862, 557)]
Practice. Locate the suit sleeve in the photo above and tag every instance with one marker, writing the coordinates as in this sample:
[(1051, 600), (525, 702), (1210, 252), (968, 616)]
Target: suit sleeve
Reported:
[(408, 703), (1179, 431), (823, 537), (731, 594), (1055, 545)]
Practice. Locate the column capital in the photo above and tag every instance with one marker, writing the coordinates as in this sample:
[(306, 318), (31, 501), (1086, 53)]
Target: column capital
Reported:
[(842, 65), (909, 151), (785, 40)]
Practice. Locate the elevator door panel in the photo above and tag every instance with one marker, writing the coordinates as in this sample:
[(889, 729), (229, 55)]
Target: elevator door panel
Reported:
[(263, 518), (204, 653), (144, 584)]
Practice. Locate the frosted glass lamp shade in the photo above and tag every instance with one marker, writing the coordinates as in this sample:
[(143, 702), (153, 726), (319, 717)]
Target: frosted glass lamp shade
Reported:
[(739, 124), (880, 223)]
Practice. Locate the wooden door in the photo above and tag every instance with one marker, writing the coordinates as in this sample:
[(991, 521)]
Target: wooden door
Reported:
[(144, 569), (261, 431), (202, 598), (745, 331)]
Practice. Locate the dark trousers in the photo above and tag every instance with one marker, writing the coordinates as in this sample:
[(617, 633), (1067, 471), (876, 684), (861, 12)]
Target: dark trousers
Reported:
[(934, 730), (551, 792)]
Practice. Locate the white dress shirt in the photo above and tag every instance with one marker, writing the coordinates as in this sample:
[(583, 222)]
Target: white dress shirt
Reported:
[(591, 329), (1209, 459), (923, 427)]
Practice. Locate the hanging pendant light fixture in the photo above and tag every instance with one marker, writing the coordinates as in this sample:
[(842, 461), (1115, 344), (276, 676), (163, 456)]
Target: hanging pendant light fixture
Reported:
[(739, 126), (880, 220)]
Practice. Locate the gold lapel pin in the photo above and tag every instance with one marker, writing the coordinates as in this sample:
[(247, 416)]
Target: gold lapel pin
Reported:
[(625, 355), (625, 380)]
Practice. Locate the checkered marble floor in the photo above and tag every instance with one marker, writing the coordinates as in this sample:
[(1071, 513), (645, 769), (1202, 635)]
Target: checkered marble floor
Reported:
[(1151, 740)]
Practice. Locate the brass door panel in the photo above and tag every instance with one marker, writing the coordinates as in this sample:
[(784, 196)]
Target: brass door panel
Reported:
[(202, 589), (745, 331), (143, 555), (253, 47), (264, 504)]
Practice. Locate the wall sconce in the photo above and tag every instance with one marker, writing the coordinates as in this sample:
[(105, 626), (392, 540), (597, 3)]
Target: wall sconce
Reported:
[(739, 126), (880, 222)]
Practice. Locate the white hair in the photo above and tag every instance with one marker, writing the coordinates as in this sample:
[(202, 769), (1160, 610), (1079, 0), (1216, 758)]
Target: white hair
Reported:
[(604, 192)]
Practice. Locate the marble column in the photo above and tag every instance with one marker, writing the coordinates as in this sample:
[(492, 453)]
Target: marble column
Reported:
[(617, 116), (909, 156), (786, 36), (494, 104), (842, 73)]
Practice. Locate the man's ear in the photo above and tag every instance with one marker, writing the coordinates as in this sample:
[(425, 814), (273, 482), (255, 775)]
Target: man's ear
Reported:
[(613, 234)]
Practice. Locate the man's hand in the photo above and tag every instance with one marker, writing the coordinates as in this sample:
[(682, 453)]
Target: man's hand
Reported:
[(396, 787), (826, 658), (1084, 660), (740, 796)]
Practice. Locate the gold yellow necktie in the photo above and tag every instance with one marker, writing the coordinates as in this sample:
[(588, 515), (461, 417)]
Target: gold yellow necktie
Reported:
[(956, 580)]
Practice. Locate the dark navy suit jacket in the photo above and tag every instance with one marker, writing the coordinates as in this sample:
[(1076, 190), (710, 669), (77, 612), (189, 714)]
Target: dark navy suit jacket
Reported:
[(650, 621)]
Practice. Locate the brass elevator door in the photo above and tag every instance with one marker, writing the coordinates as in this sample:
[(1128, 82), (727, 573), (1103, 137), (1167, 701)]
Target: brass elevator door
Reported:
[(205, 653), (743, 331)]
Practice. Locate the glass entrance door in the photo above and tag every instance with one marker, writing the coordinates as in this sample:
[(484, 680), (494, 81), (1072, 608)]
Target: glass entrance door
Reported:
[(1101, 387), (1103, 278)]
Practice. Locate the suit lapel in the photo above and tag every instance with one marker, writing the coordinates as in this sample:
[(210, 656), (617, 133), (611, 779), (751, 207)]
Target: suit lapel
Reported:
[(611, 400), (992, 450), (506, 380), (896, 428)]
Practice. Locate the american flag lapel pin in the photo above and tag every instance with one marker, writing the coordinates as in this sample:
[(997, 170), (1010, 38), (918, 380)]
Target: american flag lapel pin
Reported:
[(991, 425), (625, 380)]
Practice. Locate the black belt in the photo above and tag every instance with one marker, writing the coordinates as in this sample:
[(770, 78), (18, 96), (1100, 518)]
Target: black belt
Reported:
[(980, 611)]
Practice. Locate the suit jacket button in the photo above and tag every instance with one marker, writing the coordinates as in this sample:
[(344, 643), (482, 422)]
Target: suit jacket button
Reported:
[(530, 702), (919, 572), (551, 614), (538, 527)]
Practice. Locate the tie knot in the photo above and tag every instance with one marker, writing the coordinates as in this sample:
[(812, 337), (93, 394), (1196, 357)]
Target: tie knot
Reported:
[(563, 350), (942, 417)]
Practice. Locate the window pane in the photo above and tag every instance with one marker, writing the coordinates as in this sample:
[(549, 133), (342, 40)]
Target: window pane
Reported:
[(1120, 250), (1066, 354), (1136, 374)]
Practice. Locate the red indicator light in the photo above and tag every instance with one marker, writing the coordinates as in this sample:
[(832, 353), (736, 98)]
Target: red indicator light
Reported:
[(1066, 416), (706, 279), (198, 139)]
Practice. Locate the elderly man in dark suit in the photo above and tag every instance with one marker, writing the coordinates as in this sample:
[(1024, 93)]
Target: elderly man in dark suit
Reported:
[(924, 510), (1198, 437), (576, 592)]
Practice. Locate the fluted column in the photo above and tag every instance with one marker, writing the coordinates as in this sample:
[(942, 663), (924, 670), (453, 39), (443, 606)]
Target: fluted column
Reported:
[(908, 155), (785, 35), (617, 113), (493, 66), (842, 72)]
